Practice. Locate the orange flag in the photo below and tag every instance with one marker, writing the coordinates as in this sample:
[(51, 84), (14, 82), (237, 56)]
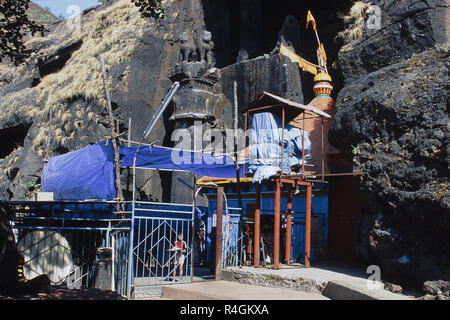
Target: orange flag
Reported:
[(302, 63), (309, 19)]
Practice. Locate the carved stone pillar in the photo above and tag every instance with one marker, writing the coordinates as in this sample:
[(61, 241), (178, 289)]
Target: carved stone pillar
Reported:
[(197, 103)]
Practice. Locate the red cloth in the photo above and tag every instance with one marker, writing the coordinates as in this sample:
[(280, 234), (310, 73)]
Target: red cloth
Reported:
[(180, 244)]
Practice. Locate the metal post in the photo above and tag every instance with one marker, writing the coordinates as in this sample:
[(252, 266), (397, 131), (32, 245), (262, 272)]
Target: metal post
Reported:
[(219, 216), (245, 135), (282, 139), (323, 154), (257, 225), (113, 258), (303, 145), (236, 153), (194, 203), (276, 226), (289, 225), (308, 226), (130, 253), (133, 206)]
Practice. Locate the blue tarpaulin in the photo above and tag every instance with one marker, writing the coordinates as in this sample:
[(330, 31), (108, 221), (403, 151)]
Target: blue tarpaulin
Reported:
[(176, 159), (87, 173), (266, 136)]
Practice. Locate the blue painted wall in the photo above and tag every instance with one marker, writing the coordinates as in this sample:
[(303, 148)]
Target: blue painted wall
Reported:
[(319, 209)]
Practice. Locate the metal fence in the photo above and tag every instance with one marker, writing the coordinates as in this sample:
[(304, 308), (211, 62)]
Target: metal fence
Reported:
[(156, 227), (62, 240), (237, 241)]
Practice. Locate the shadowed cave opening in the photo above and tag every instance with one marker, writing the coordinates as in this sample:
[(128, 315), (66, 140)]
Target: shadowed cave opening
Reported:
[(252, 26), (12, 138), (54, 63)]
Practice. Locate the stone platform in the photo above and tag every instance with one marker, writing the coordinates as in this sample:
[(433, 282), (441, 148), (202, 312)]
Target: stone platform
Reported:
[(230, 290), (344, 284)]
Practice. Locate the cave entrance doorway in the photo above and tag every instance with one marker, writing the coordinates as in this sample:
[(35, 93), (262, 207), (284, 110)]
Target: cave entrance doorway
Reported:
[(13, 138), (344, 205)]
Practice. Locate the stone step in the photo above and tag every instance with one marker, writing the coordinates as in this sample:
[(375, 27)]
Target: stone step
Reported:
[(227, 290), (150, 287), (341, 290), (145, 292)]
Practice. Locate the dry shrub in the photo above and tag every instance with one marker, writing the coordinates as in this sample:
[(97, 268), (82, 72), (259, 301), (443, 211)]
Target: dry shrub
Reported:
[(112, 33), (355, 21)]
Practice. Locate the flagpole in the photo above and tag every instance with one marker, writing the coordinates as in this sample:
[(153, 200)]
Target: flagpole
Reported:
[(317, 36), (311, 19)]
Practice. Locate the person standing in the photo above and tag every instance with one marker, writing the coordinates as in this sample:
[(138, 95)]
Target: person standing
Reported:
[(180, 250)]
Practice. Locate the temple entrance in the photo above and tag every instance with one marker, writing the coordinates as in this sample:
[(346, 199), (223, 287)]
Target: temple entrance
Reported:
[(344, 205)]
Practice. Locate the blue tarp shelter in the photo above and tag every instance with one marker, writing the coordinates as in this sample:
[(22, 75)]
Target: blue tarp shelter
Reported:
[(88, 173), (177, 159)]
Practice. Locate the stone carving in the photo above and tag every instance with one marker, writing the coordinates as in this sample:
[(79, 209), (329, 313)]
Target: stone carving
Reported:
[(199, 50), (187, 48), (200, 93), (199, 100), (204, 48)]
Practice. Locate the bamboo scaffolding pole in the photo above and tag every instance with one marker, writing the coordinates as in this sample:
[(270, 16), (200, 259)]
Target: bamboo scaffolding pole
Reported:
[(49, 135), (114, 138), (236, 154)]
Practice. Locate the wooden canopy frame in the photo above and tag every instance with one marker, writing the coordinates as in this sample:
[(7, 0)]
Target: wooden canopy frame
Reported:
[(288, 111)]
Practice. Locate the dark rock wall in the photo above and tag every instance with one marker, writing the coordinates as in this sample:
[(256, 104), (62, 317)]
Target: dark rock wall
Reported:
[(391, 88), (392, 121), (138, 54), (64, 74), (407, 27), (272, 73), (9, 256)]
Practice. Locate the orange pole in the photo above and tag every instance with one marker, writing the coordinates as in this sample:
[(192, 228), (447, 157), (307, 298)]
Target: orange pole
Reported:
[(256, 234), (276, 226), (282, 141), (308, 226), (289, 225)]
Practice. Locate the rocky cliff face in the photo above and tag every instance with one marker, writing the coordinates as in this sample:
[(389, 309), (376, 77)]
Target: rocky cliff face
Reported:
[(64, 75), (391, 87), (55, 103), (392, 120)]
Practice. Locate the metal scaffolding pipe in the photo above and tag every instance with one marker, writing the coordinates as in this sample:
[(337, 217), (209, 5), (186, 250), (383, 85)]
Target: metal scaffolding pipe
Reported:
[(161, 109), (323, 151), (303, 145)]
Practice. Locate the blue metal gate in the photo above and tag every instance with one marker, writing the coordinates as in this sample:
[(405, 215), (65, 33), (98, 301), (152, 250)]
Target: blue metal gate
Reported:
[(155, 228)]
